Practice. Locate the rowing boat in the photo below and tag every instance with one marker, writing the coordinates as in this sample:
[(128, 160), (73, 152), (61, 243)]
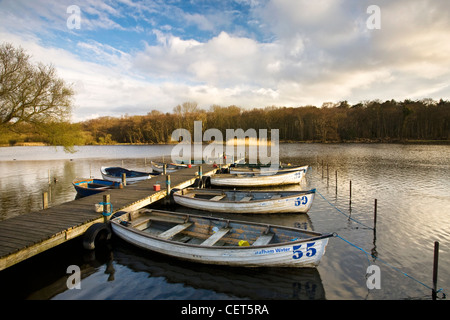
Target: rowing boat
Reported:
[(236, 169), (115, 174), (212, 240), (258, 179), (170, 167), (87, 187), (252, 202)]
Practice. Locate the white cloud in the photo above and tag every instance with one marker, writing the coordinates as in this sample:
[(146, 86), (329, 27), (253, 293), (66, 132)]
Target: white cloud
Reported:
[(314, 51)]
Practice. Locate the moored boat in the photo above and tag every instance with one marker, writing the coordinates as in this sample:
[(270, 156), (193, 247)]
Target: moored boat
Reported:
[(170, 167), (212, 240), (115, 174), (266, 169), (251, 202), (87, 187), (258, 179)]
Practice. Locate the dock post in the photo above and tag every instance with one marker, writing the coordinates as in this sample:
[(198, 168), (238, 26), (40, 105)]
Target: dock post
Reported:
[(200, 171), (164, 169), (124, 179), (168, 184), (322, 169), (435, 269), (167, 198), (336, 182), (45, 200), (375, 215), (350, 201), (106, 207)]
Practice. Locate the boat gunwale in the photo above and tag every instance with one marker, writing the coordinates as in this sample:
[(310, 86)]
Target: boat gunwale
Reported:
[(256, 175), (318, 235), (306, 192), (140, 173)]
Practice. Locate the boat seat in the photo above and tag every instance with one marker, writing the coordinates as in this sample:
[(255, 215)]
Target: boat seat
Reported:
[(215, 237), (276, 196), (263, 239), (218, 198), (166, 235), (245, 199)]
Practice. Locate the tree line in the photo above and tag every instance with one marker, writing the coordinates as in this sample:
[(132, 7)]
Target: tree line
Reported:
[(388, 121), (35, 103)]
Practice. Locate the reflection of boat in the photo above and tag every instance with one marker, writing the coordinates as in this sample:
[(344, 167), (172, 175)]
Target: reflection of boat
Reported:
[(253, 202), (254, 168), (115, 174), (170, 167), (242, 283), (87, 187), (258, 179), (213, 240)]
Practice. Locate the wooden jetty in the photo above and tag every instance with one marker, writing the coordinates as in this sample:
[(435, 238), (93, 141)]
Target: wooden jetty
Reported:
[(24, 236)]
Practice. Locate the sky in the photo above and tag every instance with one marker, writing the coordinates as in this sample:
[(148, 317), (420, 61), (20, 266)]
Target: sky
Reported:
[(128, 57)]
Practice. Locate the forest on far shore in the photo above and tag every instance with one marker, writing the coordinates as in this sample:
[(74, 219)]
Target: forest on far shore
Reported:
[(370, 121)]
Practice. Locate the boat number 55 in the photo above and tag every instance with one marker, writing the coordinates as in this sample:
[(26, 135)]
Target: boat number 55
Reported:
[(309, 251), (301, 200)]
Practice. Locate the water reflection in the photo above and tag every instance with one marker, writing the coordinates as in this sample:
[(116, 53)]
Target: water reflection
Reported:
[(411, 184), (209, 282)]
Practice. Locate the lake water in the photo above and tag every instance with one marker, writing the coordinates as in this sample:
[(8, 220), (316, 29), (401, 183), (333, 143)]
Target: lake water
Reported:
[(410, 182)]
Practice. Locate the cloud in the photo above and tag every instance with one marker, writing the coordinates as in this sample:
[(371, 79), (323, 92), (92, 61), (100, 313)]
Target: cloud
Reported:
[(134, 56)]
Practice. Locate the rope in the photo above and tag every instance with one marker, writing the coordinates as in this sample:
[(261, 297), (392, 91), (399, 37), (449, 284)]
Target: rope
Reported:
[(390, 266), (350, 218), (107, 214)]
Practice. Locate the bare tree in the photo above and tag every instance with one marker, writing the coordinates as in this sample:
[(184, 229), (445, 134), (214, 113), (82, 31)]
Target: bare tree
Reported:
[(30, 93)]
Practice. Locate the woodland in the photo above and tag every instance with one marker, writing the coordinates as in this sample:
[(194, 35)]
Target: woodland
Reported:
[(369, 121)]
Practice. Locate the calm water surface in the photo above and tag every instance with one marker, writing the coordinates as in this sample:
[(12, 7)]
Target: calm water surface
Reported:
[(410, 182)]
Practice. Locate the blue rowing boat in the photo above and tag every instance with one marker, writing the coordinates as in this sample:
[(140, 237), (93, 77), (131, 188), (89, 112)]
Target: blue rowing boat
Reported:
[(115, 174), (87, 187)]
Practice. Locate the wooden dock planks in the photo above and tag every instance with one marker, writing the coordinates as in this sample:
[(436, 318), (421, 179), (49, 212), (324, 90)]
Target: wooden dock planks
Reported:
[(24, 236)]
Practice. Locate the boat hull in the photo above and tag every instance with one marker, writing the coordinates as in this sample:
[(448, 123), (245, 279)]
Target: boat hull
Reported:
[(87, 187), (267, 170), (296, 203), (305, 253), (257, 180), (115, 174)]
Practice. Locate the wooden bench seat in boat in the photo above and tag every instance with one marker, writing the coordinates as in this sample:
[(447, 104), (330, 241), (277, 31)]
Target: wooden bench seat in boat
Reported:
[(166, 235), (263, 239), (218, 198), (215, 237), (144, 222), (245, 199)]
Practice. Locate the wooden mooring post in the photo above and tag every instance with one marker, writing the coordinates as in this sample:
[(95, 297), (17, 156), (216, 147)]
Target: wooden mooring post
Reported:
[(322, 169), (336, 181), (435, 269), (106, 206), (350, 201), (375, 215), (45, 200)]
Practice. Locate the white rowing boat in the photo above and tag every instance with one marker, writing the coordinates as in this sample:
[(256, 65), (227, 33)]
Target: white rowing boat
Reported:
[(242, 168), (258, 179), (115, 174), (211, 240), (251, 202), (170, 167)]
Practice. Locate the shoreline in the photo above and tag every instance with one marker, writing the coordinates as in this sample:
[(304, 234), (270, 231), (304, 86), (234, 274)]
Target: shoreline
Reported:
[(361, 141)]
